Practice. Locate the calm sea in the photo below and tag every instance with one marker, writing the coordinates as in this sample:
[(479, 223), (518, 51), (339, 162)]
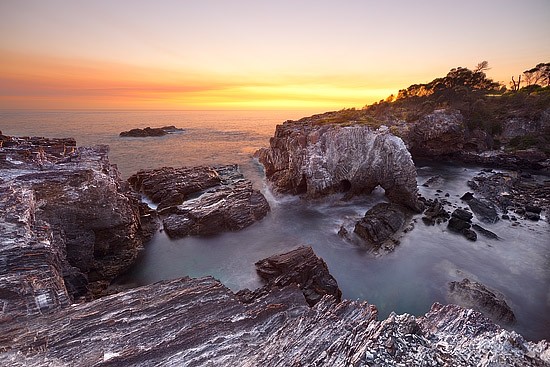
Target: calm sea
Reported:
[(408, 280)]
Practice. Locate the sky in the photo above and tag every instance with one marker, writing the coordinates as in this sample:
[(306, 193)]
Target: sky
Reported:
[(221, 54)]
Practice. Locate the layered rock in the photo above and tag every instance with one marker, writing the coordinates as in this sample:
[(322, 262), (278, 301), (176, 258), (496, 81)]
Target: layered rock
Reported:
[(476, 296), (301, 267), (201, 200), (313, 160), (149, 131), (381, 223), (196, 322), (74, 203)]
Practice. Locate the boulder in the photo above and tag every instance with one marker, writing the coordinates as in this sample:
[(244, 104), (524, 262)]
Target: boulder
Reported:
[(312, 159), (303, 268), (478, 297), (485, 232), (435, 213), (381, 223), (460, 222)]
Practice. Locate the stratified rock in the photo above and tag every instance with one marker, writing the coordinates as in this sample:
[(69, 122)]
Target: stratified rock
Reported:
[(301, 267), (476, 296), (381, 223), (148, 131), (169, 186), (224, 209), (485, 232), (74, 202), (311, 159)]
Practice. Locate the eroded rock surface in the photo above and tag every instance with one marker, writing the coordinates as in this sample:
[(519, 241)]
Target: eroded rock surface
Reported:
[(201, 200), (66, 208), (476, 296), (381, 223), (311, 159), (150, 131)]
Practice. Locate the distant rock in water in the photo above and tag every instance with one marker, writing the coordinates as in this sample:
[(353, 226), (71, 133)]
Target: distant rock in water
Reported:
[(201, 200), (476, 296), (380, 224), (149, 131), (312, 159)]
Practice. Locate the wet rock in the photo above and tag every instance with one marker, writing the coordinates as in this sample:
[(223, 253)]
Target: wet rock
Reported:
[(485, 232), (434, 181), (505, 216), (303, 268), (224, 209), (381, 223), (460, 222), (435, 213), (307, 158), (469, 234), (467, 196), (532, 216), (476, 296), (148, 131), (533, 209), (485, 212), (462, 215), (73, 201)]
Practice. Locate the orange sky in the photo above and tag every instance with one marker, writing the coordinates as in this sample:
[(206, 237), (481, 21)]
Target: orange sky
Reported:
[(323, 55)]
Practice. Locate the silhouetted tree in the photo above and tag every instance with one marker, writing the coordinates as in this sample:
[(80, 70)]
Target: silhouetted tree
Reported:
[(540, 75)]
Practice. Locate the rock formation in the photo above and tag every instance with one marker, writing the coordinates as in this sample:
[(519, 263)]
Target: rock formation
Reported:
[(313, 159), (461, 222), (380, 224), (476, 296), (68, 207), (201, 200), (148, 131)]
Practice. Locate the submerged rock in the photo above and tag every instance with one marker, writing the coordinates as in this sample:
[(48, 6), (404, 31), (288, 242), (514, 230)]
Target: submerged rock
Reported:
[(380, 224), (148, 131), (476, 296), (485, 232), (314, 160), (201, 200)]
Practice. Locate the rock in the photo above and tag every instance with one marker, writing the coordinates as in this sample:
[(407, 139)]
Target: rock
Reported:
[(467, 196), (224, 209), (485, 232), (381, 223), (435, 213), (533, 209), (306, 157), (434, 181), (462, 215), (303, 268), (469, 234), (73, 201), (460, 223), (148, 131), (485, 212), (532, 216), (475, 295)]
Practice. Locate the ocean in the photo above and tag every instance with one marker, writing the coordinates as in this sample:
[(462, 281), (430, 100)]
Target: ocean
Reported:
[(408, 280)]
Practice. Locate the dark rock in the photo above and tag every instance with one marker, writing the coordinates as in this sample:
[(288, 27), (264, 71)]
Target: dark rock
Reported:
[(467, 196), (462, 215), (475, 295), (224, 209), (485, 212), (532, 216), (315, 160), (505, 216), (458, 225), (485, 232), (148, 131), (469, 234), (533, 209), (303, 268), (435, 213), (381, 223), (434, 181)]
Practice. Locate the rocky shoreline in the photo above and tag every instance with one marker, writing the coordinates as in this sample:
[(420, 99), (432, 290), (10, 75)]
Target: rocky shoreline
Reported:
[(70, 225)]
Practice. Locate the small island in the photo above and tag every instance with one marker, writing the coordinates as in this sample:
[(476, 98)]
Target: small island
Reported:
[(151, 131)]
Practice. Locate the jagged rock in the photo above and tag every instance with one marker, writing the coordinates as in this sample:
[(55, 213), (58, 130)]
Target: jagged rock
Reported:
[(301, 267), (148, 131), (224, 209), (435, 213), (460, 222), (462, 215), (476, 296), (312, 159), (485, 212), (533, 209), (434, 181), (485, 232), (467, 196), (73, 201), (380, 223)]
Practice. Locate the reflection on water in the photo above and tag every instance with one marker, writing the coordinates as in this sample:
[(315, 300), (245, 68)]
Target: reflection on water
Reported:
[(408, 280)]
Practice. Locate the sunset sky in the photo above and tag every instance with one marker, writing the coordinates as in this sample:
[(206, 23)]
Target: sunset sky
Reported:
[(207, 54)]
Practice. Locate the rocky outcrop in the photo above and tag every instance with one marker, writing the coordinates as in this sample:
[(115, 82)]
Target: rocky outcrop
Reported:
[(148, 131), (196, 322), (380, 224), (73, 201), (314, 160), (476, 296), (301, 267), (201, 200), (461, 222)]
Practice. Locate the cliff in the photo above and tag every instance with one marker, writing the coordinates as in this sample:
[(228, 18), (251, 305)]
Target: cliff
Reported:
[(314, 159)]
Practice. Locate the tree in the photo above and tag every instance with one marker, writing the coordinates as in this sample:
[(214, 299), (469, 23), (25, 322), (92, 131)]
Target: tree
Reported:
[(539, 75)]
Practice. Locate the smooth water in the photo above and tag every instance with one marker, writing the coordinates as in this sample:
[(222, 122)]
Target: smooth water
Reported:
[(408, 280)]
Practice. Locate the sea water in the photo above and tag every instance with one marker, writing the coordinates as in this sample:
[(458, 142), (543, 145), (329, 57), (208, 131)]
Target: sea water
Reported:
[(409, 279)]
